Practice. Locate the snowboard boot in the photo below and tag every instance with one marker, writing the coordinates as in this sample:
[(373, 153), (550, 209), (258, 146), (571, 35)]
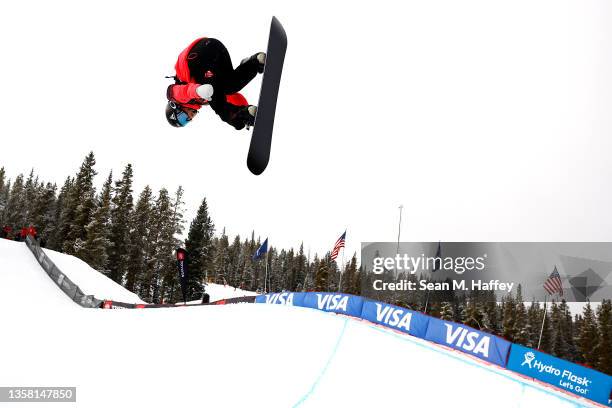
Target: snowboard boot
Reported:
[(259, 59), (252, 113), (246, 117)]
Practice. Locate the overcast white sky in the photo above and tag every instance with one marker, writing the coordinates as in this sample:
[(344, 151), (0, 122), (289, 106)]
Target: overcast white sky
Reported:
[(487, 120)]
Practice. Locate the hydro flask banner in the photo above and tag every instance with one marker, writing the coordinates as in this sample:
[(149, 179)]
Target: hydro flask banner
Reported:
[(568, 376)]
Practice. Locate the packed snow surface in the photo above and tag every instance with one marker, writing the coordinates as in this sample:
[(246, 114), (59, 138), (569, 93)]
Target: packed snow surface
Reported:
[(240, 355)]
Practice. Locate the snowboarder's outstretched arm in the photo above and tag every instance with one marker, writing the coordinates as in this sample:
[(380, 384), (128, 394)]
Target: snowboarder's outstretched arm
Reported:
[(190, 94)]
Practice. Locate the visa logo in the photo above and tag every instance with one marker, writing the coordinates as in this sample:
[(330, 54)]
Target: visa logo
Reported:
[(391, 316), (332, 302), (467, 340), (284, 298)]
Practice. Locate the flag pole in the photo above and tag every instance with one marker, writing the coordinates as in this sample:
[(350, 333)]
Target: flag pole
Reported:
[(542, 328), (399, 231), (307, 270), (342, 265), (399, 227), (266, 274), (271, 269)]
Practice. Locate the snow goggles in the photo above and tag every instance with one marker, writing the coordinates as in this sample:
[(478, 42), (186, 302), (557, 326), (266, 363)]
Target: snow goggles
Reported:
[(181, 116)]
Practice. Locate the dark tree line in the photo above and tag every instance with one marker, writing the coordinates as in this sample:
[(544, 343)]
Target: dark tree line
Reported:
[(132, 241), (219, 259)]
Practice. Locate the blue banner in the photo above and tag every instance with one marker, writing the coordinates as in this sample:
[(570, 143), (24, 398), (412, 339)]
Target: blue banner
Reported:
[(283, 298), (335, 302), (568, 376), (395, 317), (468, 340)]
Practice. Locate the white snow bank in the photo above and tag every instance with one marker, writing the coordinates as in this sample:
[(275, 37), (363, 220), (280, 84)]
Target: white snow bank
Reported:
[(89, 280), (219, 292), (24, 285)]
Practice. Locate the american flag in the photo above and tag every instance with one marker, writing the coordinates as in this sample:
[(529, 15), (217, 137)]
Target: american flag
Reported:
[(553, 283), (339, 244)]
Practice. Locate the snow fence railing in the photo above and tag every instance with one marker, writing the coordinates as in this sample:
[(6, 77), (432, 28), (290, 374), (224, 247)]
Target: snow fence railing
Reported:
[(564, 375), (65, 284), (75, 293), (111, 304)]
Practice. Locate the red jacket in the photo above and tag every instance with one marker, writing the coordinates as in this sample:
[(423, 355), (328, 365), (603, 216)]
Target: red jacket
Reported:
[(186, 94), (32, 231)]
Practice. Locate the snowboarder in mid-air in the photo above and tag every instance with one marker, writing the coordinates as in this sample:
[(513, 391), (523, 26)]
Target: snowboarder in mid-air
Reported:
[(205, 76)]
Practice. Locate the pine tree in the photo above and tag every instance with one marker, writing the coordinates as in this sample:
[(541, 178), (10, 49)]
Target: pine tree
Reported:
[(121, 210), (4, 195), (567, 328), (2, 180), (474, 315), (29, 188), (308, 275), (199, 247), (521, 325), (546, 327), (288, 269), (277, 270), (509, 318), (321, 276), (15, 210), (177, 211), (350, 282), (248, 270), (446, 311), (588, 337), (97, 232), (168, 243), (221, 258), (141, 245), (492, 314), (300, 269), (43, 210), (603, 350), (164, 281), (559, 348), (78, 207), (62, 226), (234, 263)]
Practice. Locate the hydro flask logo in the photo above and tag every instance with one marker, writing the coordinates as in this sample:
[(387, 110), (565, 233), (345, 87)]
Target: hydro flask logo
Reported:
[(529, 357)]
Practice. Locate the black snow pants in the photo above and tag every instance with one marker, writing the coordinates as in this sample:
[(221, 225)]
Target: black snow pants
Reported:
[(209, 62)]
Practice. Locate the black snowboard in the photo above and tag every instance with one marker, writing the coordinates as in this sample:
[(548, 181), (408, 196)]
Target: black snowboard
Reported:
[(261, 139)]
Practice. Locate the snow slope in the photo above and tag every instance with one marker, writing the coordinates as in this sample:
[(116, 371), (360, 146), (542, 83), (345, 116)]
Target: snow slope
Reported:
[(91, 281), (24, 284), (237, 355)]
